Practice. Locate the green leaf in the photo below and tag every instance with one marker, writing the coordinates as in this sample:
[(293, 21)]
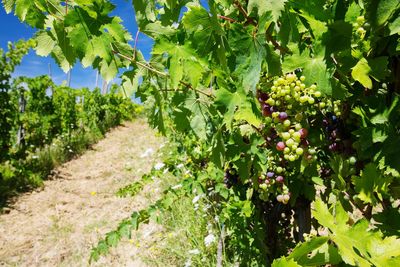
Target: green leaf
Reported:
[(314, 69), (218, 149), (284, 262), (379, 12), (370, 183), (8, 5), (238, 107), (394, 26), (112, 239), (303, 249), (272, 7), (361, 73), (45, 44)]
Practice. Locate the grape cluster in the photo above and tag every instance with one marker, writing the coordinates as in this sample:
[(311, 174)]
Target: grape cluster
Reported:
[(271, 182), (287, 108), (361, 27)]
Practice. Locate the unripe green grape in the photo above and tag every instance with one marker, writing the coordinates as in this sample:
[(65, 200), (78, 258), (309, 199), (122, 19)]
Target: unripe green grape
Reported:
[(294, 147), (302, 86), (277, 102), (286, 123), (302, 78), (287, 87), (298, 126), (313, 87), (352, 160), (285, 135), (286, 156), (275, 83), (322, 105), (298, 82), (290, 142), (303, 99), (286, 150), (263, 186), (279, 169), (299, 151), (292, 85), (317, 94), (271, 102), (311, 100), (292, 157), (279, 198), (297, 88), (312, 151), (281, 81), (291, 131), (275, 114), (289, 106), (296, 136)]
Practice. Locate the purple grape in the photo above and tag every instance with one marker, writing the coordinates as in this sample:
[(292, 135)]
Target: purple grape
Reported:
[(283, 115), (270, 174), (325, 122), (333, 147), (279, 179), (262, 97)]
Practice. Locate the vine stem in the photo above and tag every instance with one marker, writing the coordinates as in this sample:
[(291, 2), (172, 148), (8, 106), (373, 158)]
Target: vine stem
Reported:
[(159, 72), (244, 13), (227, 18)]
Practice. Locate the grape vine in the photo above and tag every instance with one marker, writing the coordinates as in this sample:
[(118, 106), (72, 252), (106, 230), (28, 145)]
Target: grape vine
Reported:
[(291, 107)]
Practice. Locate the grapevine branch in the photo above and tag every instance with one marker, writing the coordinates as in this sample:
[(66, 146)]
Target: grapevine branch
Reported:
[(249, 19), (146, 66)]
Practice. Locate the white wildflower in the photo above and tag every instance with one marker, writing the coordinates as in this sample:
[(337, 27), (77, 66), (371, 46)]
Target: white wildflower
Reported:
[(176, 186), (147, 153), (35, 156), (196, 198), (208, 240), (196, 207), (188, 263), (159, 166), (180, 166), (194, 251)]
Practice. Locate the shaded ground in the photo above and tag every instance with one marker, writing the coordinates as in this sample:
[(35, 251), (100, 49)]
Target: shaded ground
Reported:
[(58, 225)]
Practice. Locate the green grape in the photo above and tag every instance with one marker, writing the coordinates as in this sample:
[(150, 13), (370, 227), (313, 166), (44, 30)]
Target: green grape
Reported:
[(299, 151), (286, 123), (290, 142), (279, 170), (285, 135)]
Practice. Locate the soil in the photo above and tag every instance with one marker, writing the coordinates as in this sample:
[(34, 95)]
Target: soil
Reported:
[(58, 224)]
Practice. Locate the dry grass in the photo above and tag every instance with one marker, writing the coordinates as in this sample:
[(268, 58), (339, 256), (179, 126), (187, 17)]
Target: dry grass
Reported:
[(58, 225)]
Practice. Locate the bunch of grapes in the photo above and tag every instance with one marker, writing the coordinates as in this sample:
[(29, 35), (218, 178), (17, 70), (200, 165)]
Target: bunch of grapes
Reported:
[(287, 107)]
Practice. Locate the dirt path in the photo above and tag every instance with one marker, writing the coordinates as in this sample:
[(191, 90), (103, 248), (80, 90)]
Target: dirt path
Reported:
[(58, 225)]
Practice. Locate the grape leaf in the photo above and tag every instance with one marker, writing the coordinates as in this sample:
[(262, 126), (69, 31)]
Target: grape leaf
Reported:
[(274, 7), (394, 26), (45, 43), (361, 73), (238, 107), (284, 262)]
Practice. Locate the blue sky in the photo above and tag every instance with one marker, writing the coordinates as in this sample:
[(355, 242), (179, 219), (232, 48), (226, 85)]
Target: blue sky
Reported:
[(32, 65)]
